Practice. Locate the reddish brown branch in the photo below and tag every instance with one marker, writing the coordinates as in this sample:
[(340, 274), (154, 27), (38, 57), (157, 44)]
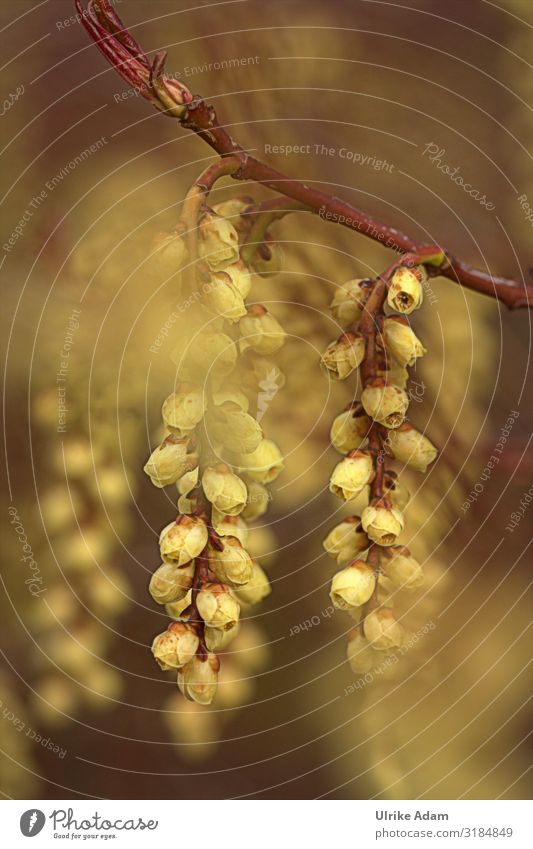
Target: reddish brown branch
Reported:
[(127, 57)]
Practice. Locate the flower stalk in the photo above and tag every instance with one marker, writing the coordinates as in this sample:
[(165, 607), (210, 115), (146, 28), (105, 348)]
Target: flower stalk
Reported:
[(175, 100)]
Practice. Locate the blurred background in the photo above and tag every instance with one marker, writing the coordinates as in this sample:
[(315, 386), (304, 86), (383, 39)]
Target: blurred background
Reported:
[(90, 174)]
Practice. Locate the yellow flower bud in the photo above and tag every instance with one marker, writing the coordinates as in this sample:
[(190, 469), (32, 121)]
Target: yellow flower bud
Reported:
[(183, 409), (382, 630), (218, 242), (234, 429), (217, 606), (233, 394), (261, 331), (349, 430), (77, 458), (232, 564), (218, 640), (386, 404), (395, 374), (396, 492), (169, 253), (359, 653), (403, 570), (226, 291), (352, 586), (234, 209), (199, 678), (406, 291), (183, 540), (257, 502), (345, 541), (264, 464), (210, 354), (382, 524), (348, 301), (175, 608), (176, 646), (171, 460), (224, 489), (344, 355), (400, 341), (171, 583), (257, 588), (351, 475), (384, 596), (188, 481), (411, 447), (229, 526)]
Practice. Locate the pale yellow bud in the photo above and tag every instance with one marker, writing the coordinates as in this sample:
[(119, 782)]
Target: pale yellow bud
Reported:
[(352, 586), (81, 549), (172, 459), (345, 541), (403, 570), (183, 540), (394, 374), (261, 331), (77, 458), (176, 608), (232, 394), (348, 301), (169, 253), (382, 630), (234, 210), (210, 354), (396, 492), (226, 291), (264, 464), (234, 429), (344, 355), (385, 404), (111, 486), (251, 649), (217, 639), (188, 481), (176, 646), (359, 653), (349, 430), (400, 341), (171, 583), (257, 588), (183, 409), (224, 489), (257, 502), (218, 241), (411, 447), (59, 507), (229, 526), (232, 565), (351, 475), (217, 606), (382, 524), (406, 291), (198, 680), (384, 596)]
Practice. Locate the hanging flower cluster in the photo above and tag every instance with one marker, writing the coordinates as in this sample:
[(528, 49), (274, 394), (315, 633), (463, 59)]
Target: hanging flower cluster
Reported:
[(372, 428), (214, 450)]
